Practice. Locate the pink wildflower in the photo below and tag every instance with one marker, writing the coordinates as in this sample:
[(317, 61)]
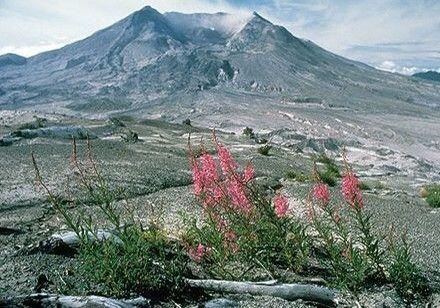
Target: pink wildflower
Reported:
[(248, 173), (227, 162), (197, 178), (350, 190), (197, 253), (209, 169), (237, 194), (321, 193), (281, 204)]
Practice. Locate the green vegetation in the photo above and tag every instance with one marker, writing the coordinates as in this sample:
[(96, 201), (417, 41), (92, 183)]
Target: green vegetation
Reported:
[(142, 262), (134, 259), (431, 193), (244, 234), (249, 132), (404, 273), (298, 176), (37, 123), (331, 172), (264, 150)]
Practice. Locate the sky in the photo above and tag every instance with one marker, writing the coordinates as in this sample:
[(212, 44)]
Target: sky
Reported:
[(396, 35)]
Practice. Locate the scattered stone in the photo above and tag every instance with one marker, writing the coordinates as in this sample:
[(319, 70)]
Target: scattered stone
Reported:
[(220, 303)]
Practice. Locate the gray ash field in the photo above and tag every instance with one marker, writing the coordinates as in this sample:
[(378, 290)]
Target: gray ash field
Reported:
[(156, 176)]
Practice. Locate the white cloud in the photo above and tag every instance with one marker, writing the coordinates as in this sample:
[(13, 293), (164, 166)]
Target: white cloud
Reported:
[(392, 67)]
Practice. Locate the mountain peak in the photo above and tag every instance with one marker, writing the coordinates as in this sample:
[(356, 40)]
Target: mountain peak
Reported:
[(148, 8), (146, 13), (259, 18)]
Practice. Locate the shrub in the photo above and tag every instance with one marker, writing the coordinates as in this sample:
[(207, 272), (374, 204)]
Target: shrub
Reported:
[(241, 225), (264, 150), (117, 122), (298, 176), (37, 123), (431, 193), (186, 122), (330, 164), (136, 259), (331, 172), (404, 273), (242, 232), (328, 178), (249, 132), (130, 137), (144, 262), (350, 259)]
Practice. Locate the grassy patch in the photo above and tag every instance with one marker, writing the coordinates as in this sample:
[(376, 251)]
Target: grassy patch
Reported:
[(404, 273), (331, 173), (143, 262), (431, 193), (298, 176)]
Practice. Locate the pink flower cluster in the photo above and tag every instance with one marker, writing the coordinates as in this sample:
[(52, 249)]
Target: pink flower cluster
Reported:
[(220, 187), (197, 253), (281, 205), (351, 191), (217, 182), (321, 193)]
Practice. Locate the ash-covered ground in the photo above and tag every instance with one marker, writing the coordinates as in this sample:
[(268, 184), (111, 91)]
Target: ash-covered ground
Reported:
[(394, 162)]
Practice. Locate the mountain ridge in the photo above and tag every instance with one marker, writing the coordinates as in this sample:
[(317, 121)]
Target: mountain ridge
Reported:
[(149, 58), (429, 75)]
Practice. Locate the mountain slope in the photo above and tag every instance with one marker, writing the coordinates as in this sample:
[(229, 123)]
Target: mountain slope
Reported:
[(429, 75), (11, 59), (150, 60)]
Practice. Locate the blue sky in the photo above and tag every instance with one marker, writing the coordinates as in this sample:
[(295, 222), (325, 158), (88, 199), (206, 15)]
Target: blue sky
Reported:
[(396, 35)]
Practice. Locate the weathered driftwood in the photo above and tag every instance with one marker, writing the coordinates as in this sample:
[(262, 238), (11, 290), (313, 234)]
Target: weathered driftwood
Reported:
[(307, 292), (67, 243), (53, 300)]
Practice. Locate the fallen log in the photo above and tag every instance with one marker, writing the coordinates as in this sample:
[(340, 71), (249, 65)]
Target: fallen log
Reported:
[(306, 292), (53, 300), (67, 243)]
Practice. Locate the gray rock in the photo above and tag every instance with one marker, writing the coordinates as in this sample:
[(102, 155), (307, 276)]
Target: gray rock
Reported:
[(221, 303)]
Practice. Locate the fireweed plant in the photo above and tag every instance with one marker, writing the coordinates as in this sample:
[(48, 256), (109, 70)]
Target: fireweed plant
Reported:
[(241, 228), (135, 259), (241, 225), (243, 233)]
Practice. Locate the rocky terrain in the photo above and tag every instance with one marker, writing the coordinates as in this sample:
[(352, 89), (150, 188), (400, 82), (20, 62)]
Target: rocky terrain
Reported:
[(153, 71), (154, 172)]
